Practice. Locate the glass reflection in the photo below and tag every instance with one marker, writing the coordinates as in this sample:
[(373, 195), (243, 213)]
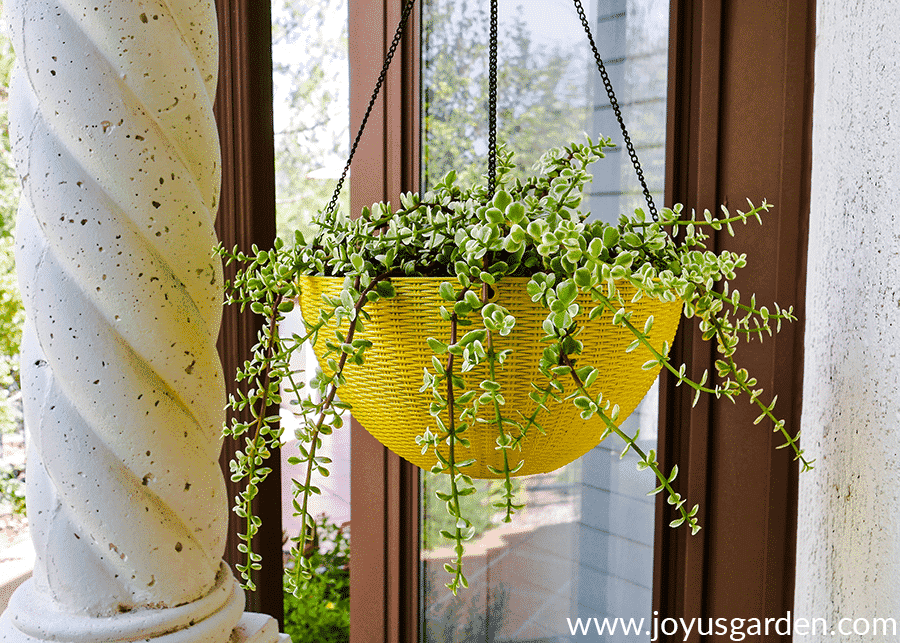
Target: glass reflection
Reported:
[(583, 548)]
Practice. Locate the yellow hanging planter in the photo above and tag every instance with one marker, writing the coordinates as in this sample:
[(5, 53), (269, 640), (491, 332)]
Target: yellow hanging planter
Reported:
[(384, 392)]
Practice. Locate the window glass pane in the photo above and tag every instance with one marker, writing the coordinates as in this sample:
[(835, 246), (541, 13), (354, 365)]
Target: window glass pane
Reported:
[(311, 80), (311, 117), (583, 548)]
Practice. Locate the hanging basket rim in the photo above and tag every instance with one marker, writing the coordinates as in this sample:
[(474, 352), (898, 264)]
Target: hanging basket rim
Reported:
[(507, 279)]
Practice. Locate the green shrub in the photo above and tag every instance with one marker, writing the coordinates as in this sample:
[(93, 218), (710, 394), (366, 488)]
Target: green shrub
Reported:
[(12, 315), (12, 490), (322, 612)]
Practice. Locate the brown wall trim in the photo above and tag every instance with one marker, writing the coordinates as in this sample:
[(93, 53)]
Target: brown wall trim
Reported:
[(384, 588), (740, 115), (246, 217)]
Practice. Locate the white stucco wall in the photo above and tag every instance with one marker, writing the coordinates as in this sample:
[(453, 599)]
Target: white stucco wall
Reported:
[(848, 546)]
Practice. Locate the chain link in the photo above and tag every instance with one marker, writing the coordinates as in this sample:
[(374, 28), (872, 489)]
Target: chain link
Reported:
[(615, 105), (404, 18), (492, 103)]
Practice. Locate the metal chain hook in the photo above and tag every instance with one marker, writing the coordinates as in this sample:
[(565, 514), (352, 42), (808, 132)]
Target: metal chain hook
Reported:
[(492, 102), (615, 105), (404, 18)]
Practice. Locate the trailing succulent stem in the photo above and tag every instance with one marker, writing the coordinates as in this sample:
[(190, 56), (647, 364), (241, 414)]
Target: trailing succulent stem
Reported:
[(645, 460), (470, 241), (253, 286)]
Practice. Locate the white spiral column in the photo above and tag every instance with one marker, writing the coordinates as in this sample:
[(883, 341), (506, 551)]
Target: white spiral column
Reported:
[(117, 150)]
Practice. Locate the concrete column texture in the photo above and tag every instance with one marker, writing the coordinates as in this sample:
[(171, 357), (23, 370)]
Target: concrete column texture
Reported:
[(848, 549), (117, 150)]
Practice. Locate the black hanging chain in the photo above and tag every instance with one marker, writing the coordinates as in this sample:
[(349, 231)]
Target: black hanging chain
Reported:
[(615, 105), (492, 103), (407, 10)]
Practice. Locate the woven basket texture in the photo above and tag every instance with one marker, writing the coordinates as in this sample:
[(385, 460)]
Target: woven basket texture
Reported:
[(384, 391)]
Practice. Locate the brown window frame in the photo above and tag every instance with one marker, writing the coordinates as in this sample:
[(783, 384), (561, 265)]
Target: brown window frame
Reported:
[(246, 217), (722, 52), (384, 489)]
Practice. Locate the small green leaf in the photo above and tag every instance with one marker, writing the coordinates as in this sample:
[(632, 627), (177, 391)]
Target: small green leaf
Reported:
[(462, 307), (447, 292), (674, 473), (567, 291), (515, 212), (582, 277), (494, 215), (502, 200), (610, 237), (386, 289), (582, 402)]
